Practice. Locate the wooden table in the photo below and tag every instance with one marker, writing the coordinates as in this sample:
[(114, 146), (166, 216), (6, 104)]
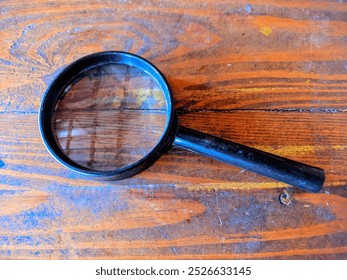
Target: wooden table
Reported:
[(268, 74)]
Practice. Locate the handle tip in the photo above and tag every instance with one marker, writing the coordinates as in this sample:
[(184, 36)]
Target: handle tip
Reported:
[(316, 181)]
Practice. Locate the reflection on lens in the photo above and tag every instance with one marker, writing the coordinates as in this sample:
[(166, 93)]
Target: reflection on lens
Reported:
[(110, 116)]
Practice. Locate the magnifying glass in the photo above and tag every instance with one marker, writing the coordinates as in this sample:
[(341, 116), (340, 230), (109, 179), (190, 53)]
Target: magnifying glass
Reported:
[(111, 115)]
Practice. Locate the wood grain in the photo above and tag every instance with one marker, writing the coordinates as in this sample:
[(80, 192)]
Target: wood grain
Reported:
[(268, 74)]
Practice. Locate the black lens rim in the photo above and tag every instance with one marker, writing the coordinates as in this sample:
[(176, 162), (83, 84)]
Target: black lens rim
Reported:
[(56, 90)]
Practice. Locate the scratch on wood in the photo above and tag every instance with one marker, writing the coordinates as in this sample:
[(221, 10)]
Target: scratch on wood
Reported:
[(220, 223), (168, 238)]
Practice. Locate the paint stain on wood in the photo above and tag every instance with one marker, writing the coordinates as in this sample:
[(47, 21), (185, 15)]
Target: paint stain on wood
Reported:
[(266, 30), (13, 202)]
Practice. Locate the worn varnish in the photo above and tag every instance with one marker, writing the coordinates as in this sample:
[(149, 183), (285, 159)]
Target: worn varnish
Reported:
[(268, 74)]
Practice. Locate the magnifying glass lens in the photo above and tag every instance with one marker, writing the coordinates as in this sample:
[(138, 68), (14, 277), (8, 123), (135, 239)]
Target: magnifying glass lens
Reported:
[(110, 116)]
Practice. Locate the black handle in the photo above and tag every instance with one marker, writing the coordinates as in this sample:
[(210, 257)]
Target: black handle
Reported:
[(298, 174)]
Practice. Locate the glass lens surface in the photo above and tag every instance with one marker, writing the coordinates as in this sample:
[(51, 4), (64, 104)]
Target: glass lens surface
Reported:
[(110, 116)]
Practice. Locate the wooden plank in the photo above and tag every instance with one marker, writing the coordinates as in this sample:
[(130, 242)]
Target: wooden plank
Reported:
[(319, 141), (216, 55), (169, 223)]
